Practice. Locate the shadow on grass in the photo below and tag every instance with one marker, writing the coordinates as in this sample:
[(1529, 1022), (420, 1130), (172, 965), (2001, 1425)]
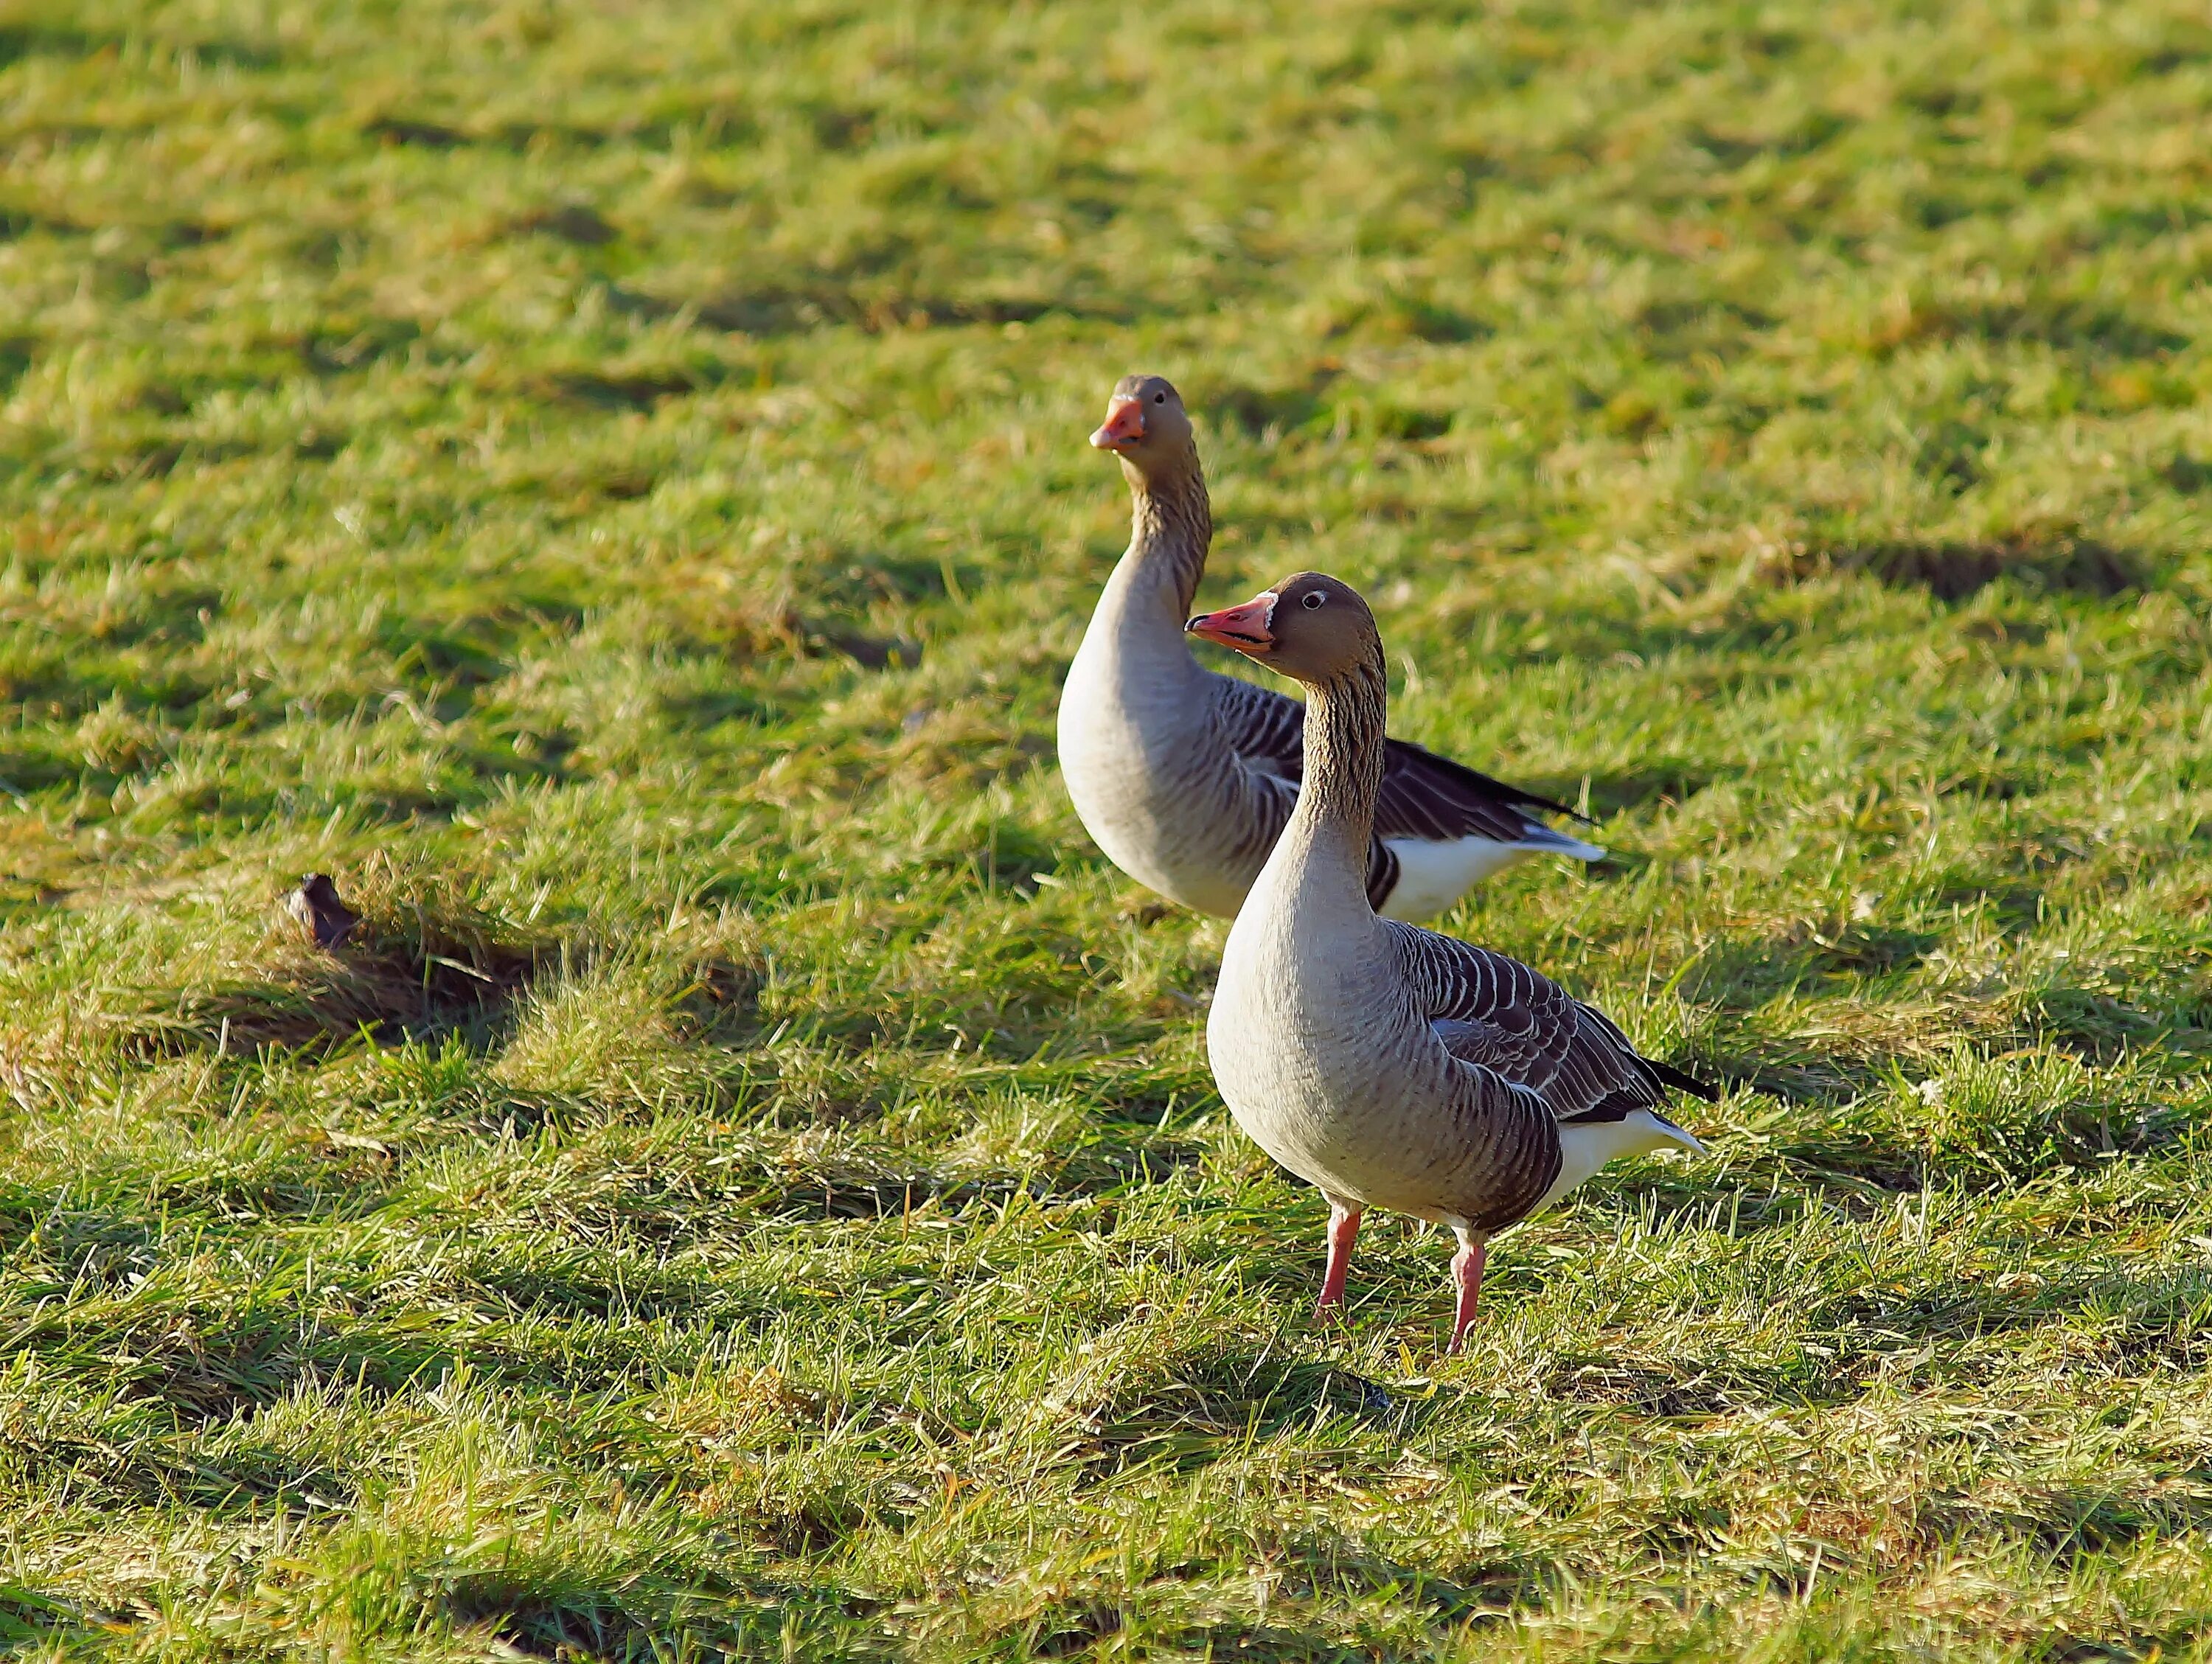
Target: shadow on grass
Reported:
[(555, 1612), (1666, 781), (30, 1617), (2059, 563), (2136, 1647), (342, 345), (861, 1193), (2097, 1028), (2089, 1024), (408, 985), (1941, 1329), (1351, 1570), (424, 961), (1213, 1402), (2065, 1521), (1334, 1568), (20, 40), (768, 310), (197, 1361), (1240, 1638)]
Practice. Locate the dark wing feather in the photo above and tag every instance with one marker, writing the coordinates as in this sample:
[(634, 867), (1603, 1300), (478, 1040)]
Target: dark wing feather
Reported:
[(1424, 795), (1684, 1083), (1265, 728), (1427, 796), (1497, 1013)]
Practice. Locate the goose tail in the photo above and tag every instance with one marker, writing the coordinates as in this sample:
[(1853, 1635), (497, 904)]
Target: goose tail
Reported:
[(1550, 840), (1680, 1135), (1681, 1082)]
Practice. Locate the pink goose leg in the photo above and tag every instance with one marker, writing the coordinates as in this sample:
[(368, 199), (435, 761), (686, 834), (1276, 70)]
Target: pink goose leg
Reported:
[(1343, 1231), (1467, 1272)]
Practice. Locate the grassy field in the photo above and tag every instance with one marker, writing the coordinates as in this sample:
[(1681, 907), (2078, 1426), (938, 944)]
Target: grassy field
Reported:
[(607, 483)]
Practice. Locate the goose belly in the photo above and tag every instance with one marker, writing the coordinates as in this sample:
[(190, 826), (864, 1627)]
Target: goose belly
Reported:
[(1319, 1079), (1150, 811)]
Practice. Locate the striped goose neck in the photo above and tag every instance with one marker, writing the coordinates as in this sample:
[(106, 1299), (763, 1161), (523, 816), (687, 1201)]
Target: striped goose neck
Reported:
[(1172, 522), (1345, 720)]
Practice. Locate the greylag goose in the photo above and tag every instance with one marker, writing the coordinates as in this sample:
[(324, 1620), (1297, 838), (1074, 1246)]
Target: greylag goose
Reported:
[(1387, 1065), (1185, 777)]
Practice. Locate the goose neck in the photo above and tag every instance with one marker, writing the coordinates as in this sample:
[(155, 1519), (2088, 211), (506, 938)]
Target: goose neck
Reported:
[(1171, 526), (1345, 724)]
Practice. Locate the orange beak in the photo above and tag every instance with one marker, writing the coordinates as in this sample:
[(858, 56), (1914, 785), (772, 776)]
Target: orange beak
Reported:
[(1124, 425), (1242, 629)]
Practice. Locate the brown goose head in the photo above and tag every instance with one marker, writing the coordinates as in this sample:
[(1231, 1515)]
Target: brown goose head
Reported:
[(1147, 428), (1310, 626)]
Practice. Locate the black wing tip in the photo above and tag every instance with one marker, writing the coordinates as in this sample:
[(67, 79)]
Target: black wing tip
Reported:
[(1490, 785), (1681, 1082)]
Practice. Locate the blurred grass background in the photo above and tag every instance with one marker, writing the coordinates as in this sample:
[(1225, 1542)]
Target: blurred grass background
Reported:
[(608, 484)]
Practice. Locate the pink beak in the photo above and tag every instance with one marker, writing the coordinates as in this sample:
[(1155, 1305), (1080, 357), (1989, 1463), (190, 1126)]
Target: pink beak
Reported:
[(1242, 629), (1124, 425)]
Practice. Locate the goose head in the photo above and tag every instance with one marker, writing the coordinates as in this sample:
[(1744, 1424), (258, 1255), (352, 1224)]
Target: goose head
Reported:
[(1148, 428), (1311, 627)]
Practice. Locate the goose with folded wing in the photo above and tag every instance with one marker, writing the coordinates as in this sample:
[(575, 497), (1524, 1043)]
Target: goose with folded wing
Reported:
[(1185, 777), (1387, 1065)]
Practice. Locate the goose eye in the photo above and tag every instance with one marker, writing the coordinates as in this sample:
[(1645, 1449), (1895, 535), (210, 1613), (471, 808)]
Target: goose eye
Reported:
[(1313, 598)]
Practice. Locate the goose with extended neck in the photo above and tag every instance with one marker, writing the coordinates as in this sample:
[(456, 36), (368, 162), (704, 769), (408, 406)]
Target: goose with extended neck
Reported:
[(1186, 778), (1384, 1064)]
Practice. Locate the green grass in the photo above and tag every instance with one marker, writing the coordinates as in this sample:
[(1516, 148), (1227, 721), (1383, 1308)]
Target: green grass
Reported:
[(608, 484)]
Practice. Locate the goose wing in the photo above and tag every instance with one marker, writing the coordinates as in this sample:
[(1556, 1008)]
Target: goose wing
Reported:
[(1265, 728), (1424, 795), (1427, 796), (1499, 1014)]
